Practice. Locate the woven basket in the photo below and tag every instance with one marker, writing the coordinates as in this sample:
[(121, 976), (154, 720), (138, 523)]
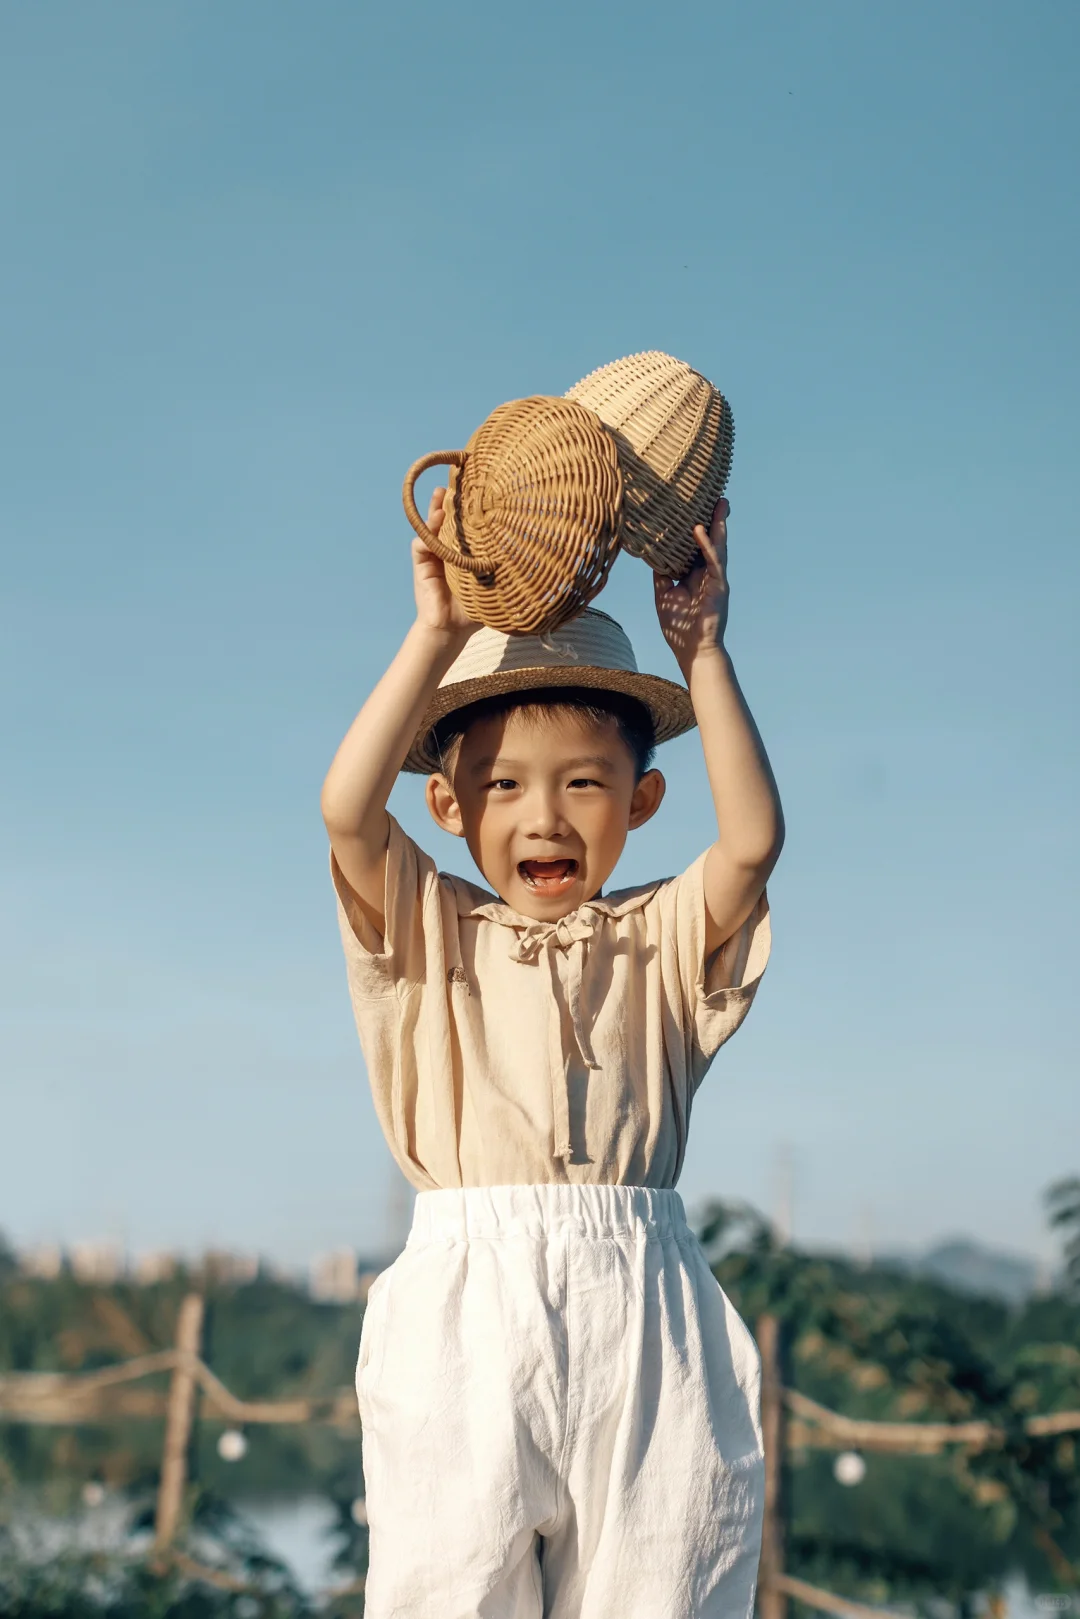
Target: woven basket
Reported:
[(532, 514), (674, 432)]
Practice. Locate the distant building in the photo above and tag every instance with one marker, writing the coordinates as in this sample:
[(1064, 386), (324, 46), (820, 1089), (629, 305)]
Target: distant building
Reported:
[(98, 1263), (45, 1262), (156, 1266), (220, 1266), (334, 1277)]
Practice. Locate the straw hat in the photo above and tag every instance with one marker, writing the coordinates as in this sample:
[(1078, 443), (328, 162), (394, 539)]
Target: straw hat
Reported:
[(591, 650)]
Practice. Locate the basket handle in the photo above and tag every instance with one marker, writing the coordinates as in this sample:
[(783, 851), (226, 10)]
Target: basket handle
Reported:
[(445, 553)]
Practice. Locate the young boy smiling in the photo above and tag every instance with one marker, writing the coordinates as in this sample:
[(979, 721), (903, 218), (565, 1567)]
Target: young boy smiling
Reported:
[(559, 1403)]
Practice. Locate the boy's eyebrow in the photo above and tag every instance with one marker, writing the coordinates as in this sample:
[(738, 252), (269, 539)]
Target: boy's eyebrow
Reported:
[(490, 760), (479, 766), (603, 759)]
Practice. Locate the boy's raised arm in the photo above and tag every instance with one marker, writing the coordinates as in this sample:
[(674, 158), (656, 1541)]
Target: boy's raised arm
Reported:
[(366, 765), (749, 820)]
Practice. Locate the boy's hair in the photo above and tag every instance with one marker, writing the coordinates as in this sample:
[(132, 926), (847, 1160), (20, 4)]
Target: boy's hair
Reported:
[(632, 719)]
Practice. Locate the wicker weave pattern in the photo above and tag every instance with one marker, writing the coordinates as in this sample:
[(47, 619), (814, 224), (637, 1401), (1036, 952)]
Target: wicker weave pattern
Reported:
[(532, 514), (674, 432)]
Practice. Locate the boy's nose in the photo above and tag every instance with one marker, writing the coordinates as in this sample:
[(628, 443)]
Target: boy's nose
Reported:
[(542, 818)]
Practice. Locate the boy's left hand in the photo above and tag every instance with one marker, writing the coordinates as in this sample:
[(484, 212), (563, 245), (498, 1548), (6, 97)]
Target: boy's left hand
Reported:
[(693, 610)]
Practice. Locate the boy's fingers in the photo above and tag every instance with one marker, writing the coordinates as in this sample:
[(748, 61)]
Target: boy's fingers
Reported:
[(710, 550), (718, 526)]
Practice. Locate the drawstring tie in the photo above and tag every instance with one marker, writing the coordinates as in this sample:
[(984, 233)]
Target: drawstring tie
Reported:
[(571, 935)]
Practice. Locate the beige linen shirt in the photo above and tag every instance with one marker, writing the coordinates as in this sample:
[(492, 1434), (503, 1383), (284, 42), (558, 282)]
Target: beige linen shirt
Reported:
[(504, 1051)]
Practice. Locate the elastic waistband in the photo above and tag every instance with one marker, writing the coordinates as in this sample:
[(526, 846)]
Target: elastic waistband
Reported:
[(460, 1214)]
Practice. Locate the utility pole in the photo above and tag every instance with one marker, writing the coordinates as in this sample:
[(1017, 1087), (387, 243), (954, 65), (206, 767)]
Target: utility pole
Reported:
[(178, 1421), (771, 1600), (784, 1170), (865, 1243)]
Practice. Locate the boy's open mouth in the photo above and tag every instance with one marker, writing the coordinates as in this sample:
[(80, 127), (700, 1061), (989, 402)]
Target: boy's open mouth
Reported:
[(548, 876)]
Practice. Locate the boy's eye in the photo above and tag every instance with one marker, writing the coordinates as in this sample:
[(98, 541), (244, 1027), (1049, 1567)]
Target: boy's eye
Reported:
[(504, 784), (584, 781)]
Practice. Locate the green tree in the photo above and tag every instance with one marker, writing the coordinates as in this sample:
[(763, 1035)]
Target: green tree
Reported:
[(1063, 1210), (877, 1343)]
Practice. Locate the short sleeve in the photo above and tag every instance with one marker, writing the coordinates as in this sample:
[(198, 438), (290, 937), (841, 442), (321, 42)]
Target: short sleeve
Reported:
[(383, 964), (717, 995)]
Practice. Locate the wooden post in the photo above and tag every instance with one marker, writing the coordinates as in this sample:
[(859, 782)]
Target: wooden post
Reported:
[(771, 1601), (178, 1420)]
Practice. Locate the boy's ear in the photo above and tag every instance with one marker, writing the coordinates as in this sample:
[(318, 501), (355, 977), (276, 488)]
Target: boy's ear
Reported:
[(648, 796), (443, 806)]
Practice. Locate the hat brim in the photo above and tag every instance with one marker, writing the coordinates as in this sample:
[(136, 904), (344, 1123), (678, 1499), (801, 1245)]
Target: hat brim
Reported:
[(668, 703)]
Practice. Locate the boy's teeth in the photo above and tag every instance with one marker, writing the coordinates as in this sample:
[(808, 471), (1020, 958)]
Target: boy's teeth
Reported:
[(540, 870)]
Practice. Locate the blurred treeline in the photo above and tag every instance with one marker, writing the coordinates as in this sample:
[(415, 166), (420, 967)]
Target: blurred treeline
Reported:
[(868, 1341), (875, 1343), (265, 1339)]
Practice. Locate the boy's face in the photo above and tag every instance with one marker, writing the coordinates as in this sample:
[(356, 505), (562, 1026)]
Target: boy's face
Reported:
[(544, 802)]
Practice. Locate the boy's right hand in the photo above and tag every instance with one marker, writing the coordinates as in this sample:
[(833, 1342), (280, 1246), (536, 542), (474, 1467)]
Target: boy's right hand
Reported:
[(437, 608), (377, 743)]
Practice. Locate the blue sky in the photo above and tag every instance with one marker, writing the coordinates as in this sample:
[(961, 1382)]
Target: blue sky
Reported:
[(257, 259)]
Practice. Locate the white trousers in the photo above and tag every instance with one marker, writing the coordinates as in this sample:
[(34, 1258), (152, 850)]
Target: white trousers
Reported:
[(560, 1411)]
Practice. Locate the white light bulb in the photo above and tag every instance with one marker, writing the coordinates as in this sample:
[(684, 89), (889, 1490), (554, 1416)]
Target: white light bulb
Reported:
[(849, 1468), (232, 1446)]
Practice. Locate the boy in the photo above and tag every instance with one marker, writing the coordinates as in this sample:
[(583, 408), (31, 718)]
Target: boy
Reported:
[(560, 1405)]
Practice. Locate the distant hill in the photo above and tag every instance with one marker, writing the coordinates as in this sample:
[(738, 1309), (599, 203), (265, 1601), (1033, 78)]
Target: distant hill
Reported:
[(969, 1267)]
